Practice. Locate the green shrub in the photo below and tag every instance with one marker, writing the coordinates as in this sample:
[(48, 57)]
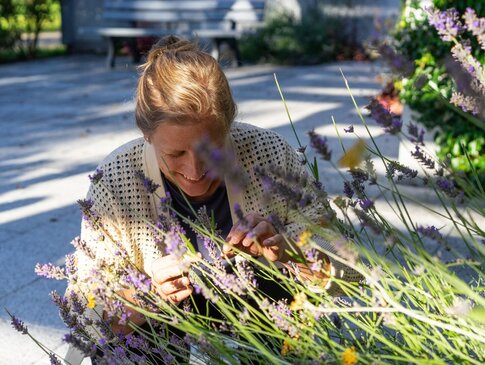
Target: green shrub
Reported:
[(419, 41), (25, 19), (285, 40)]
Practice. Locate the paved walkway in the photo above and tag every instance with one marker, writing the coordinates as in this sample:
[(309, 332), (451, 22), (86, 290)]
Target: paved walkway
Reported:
[(60, 117)]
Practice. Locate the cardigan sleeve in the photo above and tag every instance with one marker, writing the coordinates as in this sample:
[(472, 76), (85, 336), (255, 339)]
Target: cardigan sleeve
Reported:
[(315, 212)]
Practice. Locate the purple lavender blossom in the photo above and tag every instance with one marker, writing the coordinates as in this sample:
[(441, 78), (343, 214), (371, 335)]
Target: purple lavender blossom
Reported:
[(367, 221), (81, 245), (430, 232), (222, 164), (19, 325), (320, 145), (366, 204), (86, 205), (87, 348), (402, 171), (449, 188), (54, 359), (419, 155), (140, 281), (96, 176), (295, 195), (148, 183), (417, 135), (349, 129), (475, 25), (50, 271), (69, 318), (447, 23), (398, 62), (348, 191), (136, 342), (390, 122), (174, 245)]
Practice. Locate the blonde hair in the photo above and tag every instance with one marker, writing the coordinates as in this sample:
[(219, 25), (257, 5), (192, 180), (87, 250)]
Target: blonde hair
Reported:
[(180, 83)]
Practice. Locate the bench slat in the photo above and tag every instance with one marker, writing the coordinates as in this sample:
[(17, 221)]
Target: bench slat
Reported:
[(184, 5)]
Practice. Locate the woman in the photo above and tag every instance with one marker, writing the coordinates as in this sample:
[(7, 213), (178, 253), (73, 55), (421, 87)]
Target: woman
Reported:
[(183, 98)]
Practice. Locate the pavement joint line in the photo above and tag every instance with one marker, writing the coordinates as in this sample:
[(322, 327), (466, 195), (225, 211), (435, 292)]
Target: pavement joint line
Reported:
[(20, 288)]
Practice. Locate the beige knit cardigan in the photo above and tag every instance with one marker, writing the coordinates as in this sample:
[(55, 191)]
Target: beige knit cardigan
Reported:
[(124, 206)]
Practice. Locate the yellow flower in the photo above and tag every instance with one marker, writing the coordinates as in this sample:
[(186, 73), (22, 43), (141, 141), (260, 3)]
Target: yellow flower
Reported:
[(304, 238), (286, 348), (91, 302), (298, 301), (349, 356), (353, 156)]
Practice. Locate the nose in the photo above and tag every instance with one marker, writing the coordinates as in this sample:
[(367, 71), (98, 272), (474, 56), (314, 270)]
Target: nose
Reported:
[(194, 167)]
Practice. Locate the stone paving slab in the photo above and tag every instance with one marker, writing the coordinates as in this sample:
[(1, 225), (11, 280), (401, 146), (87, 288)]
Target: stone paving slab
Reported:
[(60, 117)]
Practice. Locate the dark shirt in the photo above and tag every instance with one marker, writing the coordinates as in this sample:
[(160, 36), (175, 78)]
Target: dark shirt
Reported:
[(216, 206)]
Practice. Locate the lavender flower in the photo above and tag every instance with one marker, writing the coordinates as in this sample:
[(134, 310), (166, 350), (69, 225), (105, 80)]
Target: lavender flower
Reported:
[(466, 103), (50, 271), (136, 342), (367, 221), (86, 206), (366, 204), (280, 314), (349, 129), (295, 195), (348, 191), (54, 359), (398, 62), (174, 245), (394, 167), (222, 164), (417, 135), (19, 325), (87, 348), (320, 145), (430, 232), (137, 279), (448, 187), (69, 318), (475, 25), (447, 23), (148, 183), (419, 155), (392, 123), (81, 245), (96, 176)]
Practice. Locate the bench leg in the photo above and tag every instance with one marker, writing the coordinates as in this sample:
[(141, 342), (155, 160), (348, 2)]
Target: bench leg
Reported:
[(233, 43), (110, 59), (135, 50), (216, 45)]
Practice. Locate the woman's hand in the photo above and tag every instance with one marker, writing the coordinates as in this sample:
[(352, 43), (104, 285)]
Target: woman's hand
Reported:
[(169, 281), (257, 237)]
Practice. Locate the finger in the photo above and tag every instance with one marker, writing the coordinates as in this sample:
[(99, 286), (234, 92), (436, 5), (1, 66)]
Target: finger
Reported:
[(176, 298), (276, 240), (173, 286), (262, 231), (165, 274), (239, 230)]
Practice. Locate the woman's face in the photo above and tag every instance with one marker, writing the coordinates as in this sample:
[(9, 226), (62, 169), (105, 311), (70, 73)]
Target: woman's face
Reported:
[(175, 145)]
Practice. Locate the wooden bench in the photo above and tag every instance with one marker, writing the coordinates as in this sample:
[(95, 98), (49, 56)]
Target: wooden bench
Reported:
[(218, 21)]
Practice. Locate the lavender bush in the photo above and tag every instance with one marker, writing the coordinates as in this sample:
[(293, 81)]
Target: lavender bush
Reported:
[(421, 300)]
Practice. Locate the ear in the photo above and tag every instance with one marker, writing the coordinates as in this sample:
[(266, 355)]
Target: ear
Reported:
[(147, 138)]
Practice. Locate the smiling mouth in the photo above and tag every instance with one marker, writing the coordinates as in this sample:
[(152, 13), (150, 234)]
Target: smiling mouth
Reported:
[(194, 180)]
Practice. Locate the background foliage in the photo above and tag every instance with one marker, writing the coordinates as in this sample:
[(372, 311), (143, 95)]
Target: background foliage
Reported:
[(419, 41), (314, 39), (21, 21)]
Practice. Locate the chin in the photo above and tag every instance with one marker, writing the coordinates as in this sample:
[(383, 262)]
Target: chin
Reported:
[(196, 191)]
